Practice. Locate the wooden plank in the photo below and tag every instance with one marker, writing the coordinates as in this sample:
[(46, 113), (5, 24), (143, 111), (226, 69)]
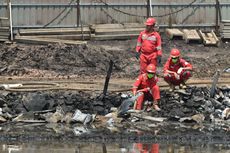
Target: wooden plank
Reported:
[(62, 37), (4, 23), (54, 31), (114, 37), (4, 29), (4, 37), (44, 41), (174, 33), (150, 118), (3, 40), (4, 33), (118, 31), (191, 35)]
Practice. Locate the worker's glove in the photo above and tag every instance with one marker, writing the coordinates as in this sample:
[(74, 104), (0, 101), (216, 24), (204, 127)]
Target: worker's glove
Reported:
[(134, 92), (177, 76), (158, 60), (180, 70), (137, 55)]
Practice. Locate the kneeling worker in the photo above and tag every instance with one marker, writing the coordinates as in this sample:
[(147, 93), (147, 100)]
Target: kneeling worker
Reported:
[(176, 70), (147, 84)]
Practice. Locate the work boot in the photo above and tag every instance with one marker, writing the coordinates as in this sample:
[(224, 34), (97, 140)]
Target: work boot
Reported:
[(172, 87), (155, 106)]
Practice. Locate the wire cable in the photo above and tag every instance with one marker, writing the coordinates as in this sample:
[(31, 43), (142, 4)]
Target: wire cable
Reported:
[(118, 10), (58, 14)]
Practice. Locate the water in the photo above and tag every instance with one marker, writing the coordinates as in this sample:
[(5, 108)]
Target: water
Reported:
[(112, 148)]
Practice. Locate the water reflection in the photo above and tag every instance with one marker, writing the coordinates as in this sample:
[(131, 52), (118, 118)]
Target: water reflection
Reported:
[(112, 148)]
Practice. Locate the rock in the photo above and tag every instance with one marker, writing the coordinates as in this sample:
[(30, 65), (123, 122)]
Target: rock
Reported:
[(199, 118), (35, 102), (2, 119), (226, 114)]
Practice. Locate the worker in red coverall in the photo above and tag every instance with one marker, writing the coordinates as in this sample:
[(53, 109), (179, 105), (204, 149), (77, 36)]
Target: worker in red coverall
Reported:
[(148, 47), (147, 84), (176, 70)]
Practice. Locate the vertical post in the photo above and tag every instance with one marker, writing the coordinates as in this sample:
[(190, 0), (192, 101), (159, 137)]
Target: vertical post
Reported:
[(151, 9), (148, 8), (78, 13), (11, 23), (107, 78), (217, 17)]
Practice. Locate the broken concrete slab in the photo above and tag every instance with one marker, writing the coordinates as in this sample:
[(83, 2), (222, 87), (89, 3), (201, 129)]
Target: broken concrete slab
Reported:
[(174, 33), (191, 36), (209, 38)]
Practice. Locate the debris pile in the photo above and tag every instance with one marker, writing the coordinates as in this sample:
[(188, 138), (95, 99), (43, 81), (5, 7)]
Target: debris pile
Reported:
[(191, 104)]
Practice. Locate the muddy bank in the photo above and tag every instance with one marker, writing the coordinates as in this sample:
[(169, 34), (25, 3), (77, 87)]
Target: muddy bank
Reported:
[(93, 59), (190, 115)]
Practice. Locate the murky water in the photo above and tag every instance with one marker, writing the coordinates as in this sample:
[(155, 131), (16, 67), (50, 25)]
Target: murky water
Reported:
[(112, 148), (57, 138)]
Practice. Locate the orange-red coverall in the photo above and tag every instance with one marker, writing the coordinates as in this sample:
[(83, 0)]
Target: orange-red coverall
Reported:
[(152, 89), (170, 77), (149, 45)]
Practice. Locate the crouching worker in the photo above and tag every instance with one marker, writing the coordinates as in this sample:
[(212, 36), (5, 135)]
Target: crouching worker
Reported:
[(147, 84), (176, 70)]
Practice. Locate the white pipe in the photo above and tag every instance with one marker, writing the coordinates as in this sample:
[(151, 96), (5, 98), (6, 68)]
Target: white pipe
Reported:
[(11, 24), (151, 9)]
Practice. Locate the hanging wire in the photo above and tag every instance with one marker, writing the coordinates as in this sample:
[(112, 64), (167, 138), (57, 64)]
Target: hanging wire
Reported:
[(69, 4), (118, 10)]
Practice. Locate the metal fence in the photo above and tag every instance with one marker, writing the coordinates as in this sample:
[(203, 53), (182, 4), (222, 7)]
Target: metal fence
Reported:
[(64, 13)]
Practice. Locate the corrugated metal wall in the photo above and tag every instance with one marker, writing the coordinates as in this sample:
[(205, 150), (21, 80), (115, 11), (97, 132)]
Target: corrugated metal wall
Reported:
[(37, 13)]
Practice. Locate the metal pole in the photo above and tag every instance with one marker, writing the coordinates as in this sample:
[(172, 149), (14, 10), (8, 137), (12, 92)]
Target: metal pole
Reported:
[(148, 8), (11, 24), (217, 17), (78, 13), (151, 9)]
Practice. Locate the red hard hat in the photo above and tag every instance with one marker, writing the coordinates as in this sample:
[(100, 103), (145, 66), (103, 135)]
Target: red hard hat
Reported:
[(151, 68), (175, 52), (150, 21)]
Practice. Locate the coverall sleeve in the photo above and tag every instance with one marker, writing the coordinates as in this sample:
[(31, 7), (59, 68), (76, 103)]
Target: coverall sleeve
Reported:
[(158, 45), (166, 66), (139, 43), (186, 64), (137, 83)]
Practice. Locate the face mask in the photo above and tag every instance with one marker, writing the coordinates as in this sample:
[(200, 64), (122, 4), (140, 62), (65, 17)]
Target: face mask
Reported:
[(174, 60), (150, 75)]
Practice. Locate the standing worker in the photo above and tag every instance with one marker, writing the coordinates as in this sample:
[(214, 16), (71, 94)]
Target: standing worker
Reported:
[(176, 70), (147, 84), (148, 47)]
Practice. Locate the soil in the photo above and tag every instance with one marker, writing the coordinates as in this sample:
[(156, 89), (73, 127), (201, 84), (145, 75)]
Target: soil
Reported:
[(92, 60)]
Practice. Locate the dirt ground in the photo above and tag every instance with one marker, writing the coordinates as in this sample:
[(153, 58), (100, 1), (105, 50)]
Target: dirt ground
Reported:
[(92, 60)]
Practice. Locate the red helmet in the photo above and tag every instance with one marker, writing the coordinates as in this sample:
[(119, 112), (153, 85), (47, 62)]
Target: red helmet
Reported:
[(175, 52), (151, 68), (150, 21)]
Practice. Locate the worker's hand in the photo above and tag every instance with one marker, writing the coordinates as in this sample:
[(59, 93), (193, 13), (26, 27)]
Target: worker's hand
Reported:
[(177, 76), (137, 55), (134, 92), (180, 70), (158, 60)]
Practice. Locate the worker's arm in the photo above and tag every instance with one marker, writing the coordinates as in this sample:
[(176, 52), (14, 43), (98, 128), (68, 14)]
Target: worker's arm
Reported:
[(186, 65), (139, 43), (136, 85), (158, 44)]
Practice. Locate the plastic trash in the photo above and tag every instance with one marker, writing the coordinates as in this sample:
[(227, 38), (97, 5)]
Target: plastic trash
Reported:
[(82, 117)]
